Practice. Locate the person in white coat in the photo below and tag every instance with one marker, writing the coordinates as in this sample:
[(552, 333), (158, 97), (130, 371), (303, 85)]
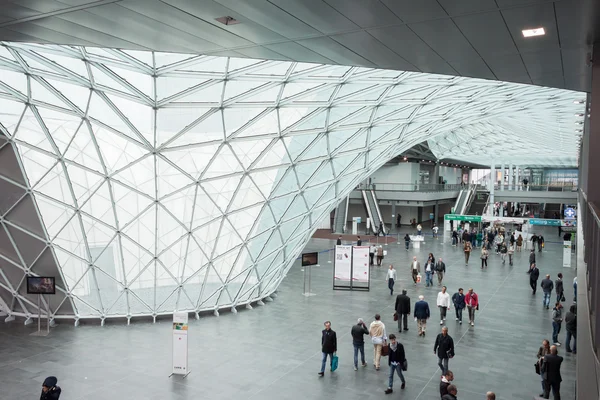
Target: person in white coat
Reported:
[(391, 278), (443, 303)]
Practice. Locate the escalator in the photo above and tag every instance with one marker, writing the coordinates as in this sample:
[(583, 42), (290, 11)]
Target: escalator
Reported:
[(458, 203), (341, 216), (464, 200), (373, 211)]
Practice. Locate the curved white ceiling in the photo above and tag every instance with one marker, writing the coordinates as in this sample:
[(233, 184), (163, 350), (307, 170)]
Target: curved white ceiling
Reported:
[(171, 181)]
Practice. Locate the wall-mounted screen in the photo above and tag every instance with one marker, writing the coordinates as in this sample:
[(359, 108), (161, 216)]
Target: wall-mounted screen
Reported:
[(41, 285)]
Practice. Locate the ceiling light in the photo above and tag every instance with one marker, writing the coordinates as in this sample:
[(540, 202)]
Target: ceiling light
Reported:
[(578, 102), (227, 20), (404, 158), (579, 115), (533, 32)]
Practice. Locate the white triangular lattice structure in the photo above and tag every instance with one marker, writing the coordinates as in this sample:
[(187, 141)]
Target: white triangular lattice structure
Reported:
[(182, 182)]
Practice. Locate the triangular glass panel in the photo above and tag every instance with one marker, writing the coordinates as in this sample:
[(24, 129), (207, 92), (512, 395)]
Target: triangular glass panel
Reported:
[(298, 143), (205, 209), (55, 185), (168, 230), (245, 219), (169, 179), (294, 88), (35, 163), (266, 125), (141, 116), (140, 175), (181, 204), (264, 181), (135, 259), (128, 203), (316, 150), (222, 190), (142, 230), (247, 195), (204, 95), (228, 240), (248, 151), (276, 156), (40, 93), (235, 118), (54, 214), (83, 151), (83, 182), (100, 205), (192, 160), (236, 88), (76, 94), (208, 130), (225, 163), (62, 126), (164, 59), (206, 236), (102, 112), (280, 205), (30, 131), (76, 66)]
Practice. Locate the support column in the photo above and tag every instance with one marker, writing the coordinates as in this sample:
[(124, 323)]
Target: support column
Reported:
[(517, 181), (502, 177), (490, 210), (394, 216), (435, 212), (510, 176)]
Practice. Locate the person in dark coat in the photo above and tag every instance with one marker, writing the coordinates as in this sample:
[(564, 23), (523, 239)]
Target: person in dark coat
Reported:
[(452, 392), (551, 373), (445, 382), (402, 308), (358, 341), (50, 390), (339, 241), (531, 258), (547, 286), (328, 345), (421, 314), (396, 357), (571, 326), (458, 299), (534, 275), (444, 348), (559, 287), (358, 241)]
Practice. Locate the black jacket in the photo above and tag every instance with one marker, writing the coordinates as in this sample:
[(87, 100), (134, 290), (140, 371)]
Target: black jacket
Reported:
[(448, 396), (458, 300), (52, 394), (534, 274), (551, 368), (328, 341), (444, 345), (358, 332), (444, 388), (402, 304), (440, 267), (398, 355), (531, 258), (547, 285), (339, 242), (558, 285), (571, 322)]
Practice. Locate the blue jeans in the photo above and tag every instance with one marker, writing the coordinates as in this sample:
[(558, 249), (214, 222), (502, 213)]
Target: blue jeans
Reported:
[(558, 297), (443, 363), (407, 243), (398, 369), (568, 344), (546, 301), (428, 279), (391, 285), (357, 348), (324, 360), (555, 331)]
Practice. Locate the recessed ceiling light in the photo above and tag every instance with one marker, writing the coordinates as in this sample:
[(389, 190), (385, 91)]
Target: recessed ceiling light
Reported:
[(578, 102), (227, 20), (534, 32)]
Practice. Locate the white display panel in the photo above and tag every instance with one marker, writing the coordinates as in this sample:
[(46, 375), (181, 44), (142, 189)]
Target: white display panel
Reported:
[(180, 343), (360, 264), (343, 264)]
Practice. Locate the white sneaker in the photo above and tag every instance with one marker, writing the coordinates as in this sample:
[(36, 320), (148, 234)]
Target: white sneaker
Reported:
[(557, 344), (472, 323), (356, 369), (460, 322), (441, 322), (457, 319)]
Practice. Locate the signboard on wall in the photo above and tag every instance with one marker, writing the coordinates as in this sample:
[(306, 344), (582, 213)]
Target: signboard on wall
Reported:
[(544, 222), (180, 343), (503, 220), (468, 218), (343, 264), (360, 264)]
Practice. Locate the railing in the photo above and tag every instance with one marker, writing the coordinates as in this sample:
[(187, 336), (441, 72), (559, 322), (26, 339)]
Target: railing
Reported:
[(412, 187), (538, 188), (588, 296)]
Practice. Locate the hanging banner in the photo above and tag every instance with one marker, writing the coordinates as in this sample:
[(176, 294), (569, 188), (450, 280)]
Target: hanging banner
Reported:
[(544, 222), (180, 343), (360, 263), (503, 220), (469, 218), (343, 263), (567, 254), (568, 222)]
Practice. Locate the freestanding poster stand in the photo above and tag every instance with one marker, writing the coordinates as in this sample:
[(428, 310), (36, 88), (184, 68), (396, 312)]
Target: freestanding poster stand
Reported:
[(567, 254), (351, 268), (180, 344), (39, 331), (307, 278)]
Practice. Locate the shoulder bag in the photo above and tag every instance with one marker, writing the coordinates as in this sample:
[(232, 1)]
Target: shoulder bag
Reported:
[(405, 365), (385, 350)]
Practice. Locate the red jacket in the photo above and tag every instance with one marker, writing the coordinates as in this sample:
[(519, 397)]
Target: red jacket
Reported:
[(472, 299)]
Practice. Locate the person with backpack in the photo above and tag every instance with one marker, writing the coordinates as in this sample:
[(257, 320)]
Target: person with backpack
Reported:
[(397, 363)]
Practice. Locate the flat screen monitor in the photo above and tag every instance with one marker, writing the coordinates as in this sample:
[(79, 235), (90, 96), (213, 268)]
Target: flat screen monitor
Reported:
[(310, 259), (41, 285)]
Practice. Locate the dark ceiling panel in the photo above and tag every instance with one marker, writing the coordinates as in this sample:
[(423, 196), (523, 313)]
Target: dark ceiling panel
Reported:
[(579, 82), (572, 33), (271, 16), (209, 10), (575, 61), (404, 41), (539, 15), (42, 6), (365, 13), (181, 20), (446, 39), (261, 53), (36, 30), (512, 3), (415, 11), (543, 63), (456, 7), (331, 49), (16, 11), (294, 51), (508, 66), (496, 39), (8, 35), (473, 67), (317, 14), (370, 48), (550, 80)]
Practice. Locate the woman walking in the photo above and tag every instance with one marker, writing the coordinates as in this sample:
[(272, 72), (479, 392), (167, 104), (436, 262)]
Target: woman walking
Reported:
[(379, 255), (511, 251), (544, 349), (484, 257), (519, 243), (467, 250)]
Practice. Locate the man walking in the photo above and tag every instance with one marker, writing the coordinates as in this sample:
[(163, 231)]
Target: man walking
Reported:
[(429, 270), (547, 285), (402, 308), (415, 268), (452, 392), (559, 287), (571, 326), (358, 241), (444, 348), (467, 250), (556, 322), (531, 258), (372, 250), (328, 345), (378, 338), (440, 269), (391, 278), (551, 373), (443, 303), (421, 314), (396, 358), (472, 302), (458, 299), (534, 274), (358, 341)]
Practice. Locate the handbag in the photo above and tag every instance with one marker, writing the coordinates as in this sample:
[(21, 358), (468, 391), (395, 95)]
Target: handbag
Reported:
[(537, 368), (334, 362), (562, 298), (418, 278), (395, 316), (385, 350), (405, 365)]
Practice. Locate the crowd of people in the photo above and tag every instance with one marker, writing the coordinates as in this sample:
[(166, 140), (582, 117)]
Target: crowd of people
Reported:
[(490, 240)]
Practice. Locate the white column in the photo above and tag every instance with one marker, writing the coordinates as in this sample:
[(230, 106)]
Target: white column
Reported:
[(502, 176), (510, 177), (490, 210), (517, 181)]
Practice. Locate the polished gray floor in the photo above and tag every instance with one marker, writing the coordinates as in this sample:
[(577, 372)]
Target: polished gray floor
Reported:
[(273, 352)]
